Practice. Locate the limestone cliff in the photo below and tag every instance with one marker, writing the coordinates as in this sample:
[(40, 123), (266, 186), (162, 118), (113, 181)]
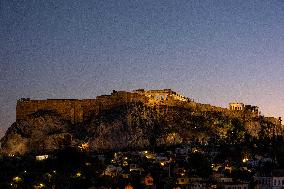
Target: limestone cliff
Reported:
[(135, 125), (42, 131)]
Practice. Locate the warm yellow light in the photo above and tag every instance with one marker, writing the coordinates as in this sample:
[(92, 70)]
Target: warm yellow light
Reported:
[(38, 186), (125, 163), (17, 179), (78, 174), (162, 164), (245, 160)]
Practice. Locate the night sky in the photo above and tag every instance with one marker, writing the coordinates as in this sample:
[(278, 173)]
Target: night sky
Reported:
[(212, 51)]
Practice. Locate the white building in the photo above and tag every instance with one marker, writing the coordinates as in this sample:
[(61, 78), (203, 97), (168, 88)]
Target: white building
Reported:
[(278, 179), (263, 182), (191, 183), (224, 180), (236, 186), (277, 182), (42, 157)]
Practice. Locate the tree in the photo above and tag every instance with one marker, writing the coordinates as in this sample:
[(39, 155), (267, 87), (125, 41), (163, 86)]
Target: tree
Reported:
[(237, 132), (199, 165)]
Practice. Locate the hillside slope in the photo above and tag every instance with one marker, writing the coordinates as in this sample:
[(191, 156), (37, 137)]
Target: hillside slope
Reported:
[(135, 125)]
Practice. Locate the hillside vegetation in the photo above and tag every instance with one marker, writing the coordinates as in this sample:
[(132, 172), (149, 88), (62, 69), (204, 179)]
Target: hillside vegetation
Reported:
[(137, 125)]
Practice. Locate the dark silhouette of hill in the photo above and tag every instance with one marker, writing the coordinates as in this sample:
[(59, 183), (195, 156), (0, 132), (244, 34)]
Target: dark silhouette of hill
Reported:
[(136, 125)]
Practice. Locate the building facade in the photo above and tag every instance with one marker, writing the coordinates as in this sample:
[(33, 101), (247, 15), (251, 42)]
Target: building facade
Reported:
[(236, 106)]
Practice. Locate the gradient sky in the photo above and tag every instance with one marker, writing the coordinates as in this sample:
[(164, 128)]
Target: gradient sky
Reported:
[(212, 51)]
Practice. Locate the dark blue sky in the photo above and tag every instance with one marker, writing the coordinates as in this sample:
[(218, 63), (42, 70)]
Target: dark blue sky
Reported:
[(212, 51)]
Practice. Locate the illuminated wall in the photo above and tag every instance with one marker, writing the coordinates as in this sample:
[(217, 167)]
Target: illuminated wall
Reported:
[(75, 110)]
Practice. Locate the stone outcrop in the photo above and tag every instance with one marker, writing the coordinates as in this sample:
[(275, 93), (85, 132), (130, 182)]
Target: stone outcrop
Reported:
[(128, 120), (80, 110), (41, 131)]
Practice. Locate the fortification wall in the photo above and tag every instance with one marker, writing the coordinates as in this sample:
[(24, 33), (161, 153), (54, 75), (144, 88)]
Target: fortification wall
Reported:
[(89, 107), (69, 109), (79, 110), (76, 110), (25, 107)]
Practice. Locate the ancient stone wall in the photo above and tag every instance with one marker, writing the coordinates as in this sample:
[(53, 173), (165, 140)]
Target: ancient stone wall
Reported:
[(79, 110), (162, 97), (236, 106), (69, 109), (241, 108), (76, 110), (25, 107)]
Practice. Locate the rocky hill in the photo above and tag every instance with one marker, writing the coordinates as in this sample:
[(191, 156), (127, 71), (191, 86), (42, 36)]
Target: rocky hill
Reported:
[(136, 125)]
